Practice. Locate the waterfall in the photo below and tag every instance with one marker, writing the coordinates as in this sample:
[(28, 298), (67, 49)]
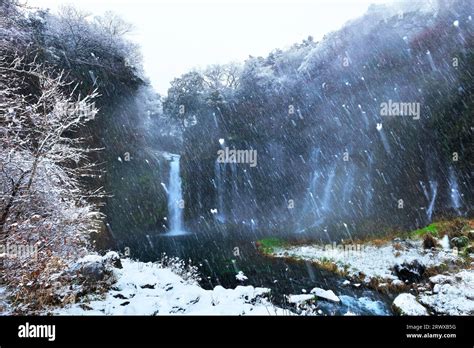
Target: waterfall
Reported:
[(385, 143), (454, 190), (348, 188), (434, 191), (369, 190), (219, 173), (175, 199), (325, 204)]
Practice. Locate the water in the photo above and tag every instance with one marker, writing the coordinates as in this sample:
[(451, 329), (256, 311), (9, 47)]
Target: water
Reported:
[(175, 199), (213, 251), (219, 173), (434, 191), (326, 201), (454, 191)]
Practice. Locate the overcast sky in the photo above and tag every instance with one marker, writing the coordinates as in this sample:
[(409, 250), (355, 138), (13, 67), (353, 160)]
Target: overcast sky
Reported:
[(179, 35)]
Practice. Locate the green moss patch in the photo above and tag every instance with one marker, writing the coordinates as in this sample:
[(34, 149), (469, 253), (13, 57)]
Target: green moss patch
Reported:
[(268, 245)]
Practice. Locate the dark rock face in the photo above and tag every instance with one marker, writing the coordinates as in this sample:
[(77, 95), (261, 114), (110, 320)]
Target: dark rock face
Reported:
[(332, 157), (93, 271), (412, 272)]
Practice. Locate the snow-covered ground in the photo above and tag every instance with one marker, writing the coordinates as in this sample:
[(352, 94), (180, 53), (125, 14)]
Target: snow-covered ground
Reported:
[(372, 261), (4, 307), (150, 289), (451, 293)]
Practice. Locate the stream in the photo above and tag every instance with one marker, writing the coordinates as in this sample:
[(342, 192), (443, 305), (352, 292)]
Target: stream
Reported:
[(220, 255)]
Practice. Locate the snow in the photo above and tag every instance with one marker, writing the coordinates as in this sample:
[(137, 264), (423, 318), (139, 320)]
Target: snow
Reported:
[(452, 295), (4, 306), (325, 294), (408, 305), (299, 298), (372, 261), (444, 242), (150, 289), (90, 259), (241, 276)]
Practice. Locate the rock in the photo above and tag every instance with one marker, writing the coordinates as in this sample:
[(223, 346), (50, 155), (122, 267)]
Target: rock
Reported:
[(429, 242), (470, 249), (92, 271), (148, 286), (121, 297), (454, 297), (93, 268), (406, 304), (241, 276), (346, 282), (113, 258), (397, 283), (35, 218), (460, 242), (325, 294), (441, 279), (470, 235), (297, 299), (411, 272)]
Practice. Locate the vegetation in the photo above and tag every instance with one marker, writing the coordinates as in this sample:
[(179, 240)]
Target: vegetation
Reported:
[(54, 74)]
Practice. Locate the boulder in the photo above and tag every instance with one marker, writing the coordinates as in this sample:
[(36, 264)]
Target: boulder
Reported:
[(93, 271), (113, 258), (325, 294), (411, 272), (406, 304), (460, 242)]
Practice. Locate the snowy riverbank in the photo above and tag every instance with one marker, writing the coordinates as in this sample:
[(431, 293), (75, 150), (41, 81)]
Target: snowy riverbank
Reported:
[(150, 289), (426, 275)]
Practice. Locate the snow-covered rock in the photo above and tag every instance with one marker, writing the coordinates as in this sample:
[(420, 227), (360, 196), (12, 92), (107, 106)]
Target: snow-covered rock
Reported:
[(4, 305), (151, 289), (300, 298), (241, 276), (372, 261), (325, 294), (452, 295), (406, 304)]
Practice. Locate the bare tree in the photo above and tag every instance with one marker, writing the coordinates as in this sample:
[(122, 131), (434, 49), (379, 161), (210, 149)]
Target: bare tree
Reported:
[(42, 202)]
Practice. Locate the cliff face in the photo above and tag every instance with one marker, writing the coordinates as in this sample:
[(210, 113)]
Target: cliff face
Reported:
[(369, 127)]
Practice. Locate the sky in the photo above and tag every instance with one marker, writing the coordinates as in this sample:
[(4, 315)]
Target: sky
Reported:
[(177, 36)]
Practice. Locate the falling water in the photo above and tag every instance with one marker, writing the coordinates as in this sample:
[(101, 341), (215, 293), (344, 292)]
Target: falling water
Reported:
[(219, 174), (328, 190), (454, 190), (434, 192), (385, 143), (347, 189), (175, 198), (369, 188)]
